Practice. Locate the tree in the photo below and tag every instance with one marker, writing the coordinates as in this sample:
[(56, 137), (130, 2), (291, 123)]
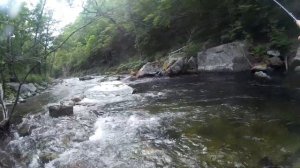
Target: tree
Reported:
[(28, 43)]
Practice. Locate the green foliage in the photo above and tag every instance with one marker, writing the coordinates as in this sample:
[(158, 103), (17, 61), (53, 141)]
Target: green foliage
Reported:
[(192, 49), (259, 52), (25, 40), (158, 26), (130, 66), (34, 78), (279, 40), (10, 94)]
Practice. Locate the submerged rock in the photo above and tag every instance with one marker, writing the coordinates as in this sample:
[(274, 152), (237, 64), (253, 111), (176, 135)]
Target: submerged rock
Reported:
[(60, 110), (46, 157), (85, 78), (149, 69), (77, 99), (24, 129), (228, 57)]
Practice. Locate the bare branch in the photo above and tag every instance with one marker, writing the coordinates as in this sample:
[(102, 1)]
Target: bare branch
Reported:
[(37, 64)]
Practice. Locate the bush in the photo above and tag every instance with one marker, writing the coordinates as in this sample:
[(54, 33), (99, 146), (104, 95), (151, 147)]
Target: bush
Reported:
[(34, 78), (279, 40), (192, 49), (130, 66), (259, 52)]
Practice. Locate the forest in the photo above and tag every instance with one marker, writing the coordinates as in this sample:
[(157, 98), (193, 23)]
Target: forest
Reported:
[(119, 35), (124, 34)]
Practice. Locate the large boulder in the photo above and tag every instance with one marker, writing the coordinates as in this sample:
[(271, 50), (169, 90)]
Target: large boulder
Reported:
[(56, 111), (192, 65), (275, 62), (25, 89), (227, 57), (175, 64), (149, 69)]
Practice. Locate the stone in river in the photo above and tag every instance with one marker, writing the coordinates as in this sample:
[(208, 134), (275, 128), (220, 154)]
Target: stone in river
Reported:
[(56, 111)]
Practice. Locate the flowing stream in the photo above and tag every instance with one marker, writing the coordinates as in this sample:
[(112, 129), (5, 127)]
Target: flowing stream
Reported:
[(206, 120)]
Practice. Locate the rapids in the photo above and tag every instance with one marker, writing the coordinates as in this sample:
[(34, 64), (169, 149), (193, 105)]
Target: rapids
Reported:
[(206, 120)]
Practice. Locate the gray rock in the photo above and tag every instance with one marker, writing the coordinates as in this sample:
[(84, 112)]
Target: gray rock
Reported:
[(261, 74), (296, 60), (56, 111), (44, 84), (40, 87), (46, 157), (67, 103), (149, 69), (25, 89), (175, 64), (228, 57), (175, 57), (260, 67), (30, 87), (24, 129), (85, 78), (177, 67), (275, 62), (21, 100), (192, 65), (273, 53), (297, 69), (77, 99)]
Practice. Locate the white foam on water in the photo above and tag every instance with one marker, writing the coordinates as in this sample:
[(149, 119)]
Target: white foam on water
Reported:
[(111, 86), (99, 131), (89, 101)]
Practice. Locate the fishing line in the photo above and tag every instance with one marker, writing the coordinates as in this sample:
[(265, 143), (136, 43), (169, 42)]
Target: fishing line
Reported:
[(288, 12)]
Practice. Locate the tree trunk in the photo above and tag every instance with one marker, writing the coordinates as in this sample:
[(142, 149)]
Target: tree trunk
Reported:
[(4, 127)]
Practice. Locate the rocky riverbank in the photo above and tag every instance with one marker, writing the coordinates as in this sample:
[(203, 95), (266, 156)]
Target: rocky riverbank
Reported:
[(232, 57), (27, 90)]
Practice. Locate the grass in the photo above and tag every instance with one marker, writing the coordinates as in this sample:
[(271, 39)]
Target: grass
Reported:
[(34, 78)]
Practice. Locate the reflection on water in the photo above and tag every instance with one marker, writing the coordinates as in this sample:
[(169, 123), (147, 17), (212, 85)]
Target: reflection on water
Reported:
[(206, 120), (230, 120)]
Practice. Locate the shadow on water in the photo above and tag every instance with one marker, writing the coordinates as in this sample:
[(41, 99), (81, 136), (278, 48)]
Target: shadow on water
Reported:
[(231, 120)]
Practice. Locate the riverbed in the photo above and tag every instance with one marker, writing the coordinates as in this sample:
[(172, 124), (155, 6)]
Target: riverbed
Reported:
[(205, 120)]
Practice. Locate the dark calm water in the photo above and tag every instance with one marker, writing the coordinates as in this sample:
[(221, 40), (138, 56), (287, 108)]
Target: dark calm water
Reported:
[(230, 120), (205, 120)]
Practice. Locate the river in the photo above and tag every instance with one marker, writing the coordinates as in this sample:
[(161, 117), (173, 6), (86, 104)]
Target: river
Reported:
[(206, 120)]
